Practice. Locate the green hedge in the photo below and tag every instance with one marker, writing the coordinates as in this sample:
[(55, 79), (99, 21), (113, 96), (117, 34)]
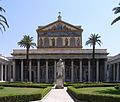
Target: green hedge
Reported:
[(94, 85), (91, 97), (25, 84), (99, 84), (25, 98)]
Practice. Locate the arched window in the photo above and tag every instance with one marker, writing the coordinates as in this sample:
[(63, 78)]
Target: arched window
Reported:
[(46, 42), (59, 42), (72, 42)]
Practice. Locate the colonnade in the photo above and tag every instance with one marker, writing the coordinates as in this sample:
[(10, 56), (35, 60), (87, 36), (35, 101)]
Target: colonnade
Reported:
[(3, 72), (89, 68), (114, 70)]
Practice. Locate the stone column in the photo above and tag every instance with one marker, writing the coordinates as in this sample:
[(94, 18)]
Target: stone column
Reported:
[(108, 72), (54, 70), (97, 71), (5, 72), (80, 70), (9, 72), (117, 72), (64, 70), (46, 71), (72, 70), (30, 70), (38, 70), (113, 72), (1, 72), (14, 70), (89, 70), (105, 66), (21, 70)]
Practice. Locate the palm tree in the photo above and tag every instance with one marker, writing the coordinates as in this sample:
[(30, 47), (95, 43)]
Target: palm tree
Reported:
[(92, 41), (26, 42), (3, 21), (116, 11)]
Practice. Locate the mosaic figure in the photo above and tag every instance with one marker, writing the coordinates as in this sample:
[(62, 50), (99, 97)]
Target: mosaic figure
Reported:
[(53, 41), (66, 42)]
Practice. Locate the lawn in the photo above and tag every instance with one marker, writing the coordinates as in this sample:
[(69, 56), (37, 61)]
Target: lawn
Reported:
[(95, 94), (100, 91), (10, 91)]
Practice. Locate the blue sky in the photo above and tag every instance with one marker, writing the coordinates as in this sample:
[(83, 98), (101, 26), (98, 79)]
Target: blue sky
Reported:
[(95, 16)]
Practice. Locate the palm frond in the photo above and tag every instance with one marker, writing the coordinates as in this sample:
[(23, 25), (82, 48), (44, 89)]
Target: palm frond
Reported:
[(2, 26), (1, 9), (116, 10), (89, 42), (4, 22), (115, 20), (2, 17), (26, 42), (1, 30), (93, 40)]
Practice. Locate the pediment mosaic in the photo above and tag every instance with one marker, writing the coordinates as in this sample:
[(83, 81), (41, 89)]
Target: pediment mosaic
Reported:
[(59, 26)]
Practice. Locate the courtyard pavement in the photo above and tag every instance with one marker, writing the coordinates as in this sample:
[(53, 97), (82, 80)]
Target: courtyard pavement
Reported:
[(58, 95)]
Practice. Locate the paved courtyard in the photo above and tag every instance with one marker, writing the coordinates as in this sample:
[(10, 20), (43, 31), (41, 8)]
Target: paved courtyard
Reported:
[(57, 95)]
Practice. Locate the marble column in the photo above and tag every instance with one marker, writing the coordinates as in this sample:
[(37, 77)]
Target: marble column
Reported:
[(1, 72), (105, 66), (13, 70), (38, 70), (108, 72), (64, 70), (89, 70), (30, 71), (72, 71), (113, 72), (97, 71), (9, 72), (54, 70), (5, 72), (21, 70), (80, 70), (117, 72), (46, 71)]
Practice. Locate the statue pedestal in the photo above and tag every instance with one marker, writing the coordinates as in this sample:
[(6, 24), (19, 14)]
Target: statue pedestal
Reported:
[(59, 83)]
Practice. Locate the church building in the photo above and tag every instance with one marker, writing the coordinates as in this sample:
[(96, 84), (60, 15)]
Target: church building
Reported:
[(59, 40)]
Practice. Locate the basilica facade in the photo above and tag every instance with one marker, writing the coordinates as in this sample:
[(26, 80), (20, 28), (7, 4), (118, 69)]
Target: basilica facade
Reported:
[(56, 40)]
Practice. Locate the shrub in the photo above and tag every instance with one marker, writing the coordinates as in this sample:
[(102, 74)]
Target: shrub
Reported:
[(1, 87), (83, 85), (116, 87), (31, 85), (91, 84)]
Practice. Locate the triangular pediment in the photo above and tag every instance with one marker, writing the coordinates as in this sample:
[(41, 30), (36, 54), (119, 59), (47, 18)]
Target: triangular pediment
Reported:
[(59, 26)]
